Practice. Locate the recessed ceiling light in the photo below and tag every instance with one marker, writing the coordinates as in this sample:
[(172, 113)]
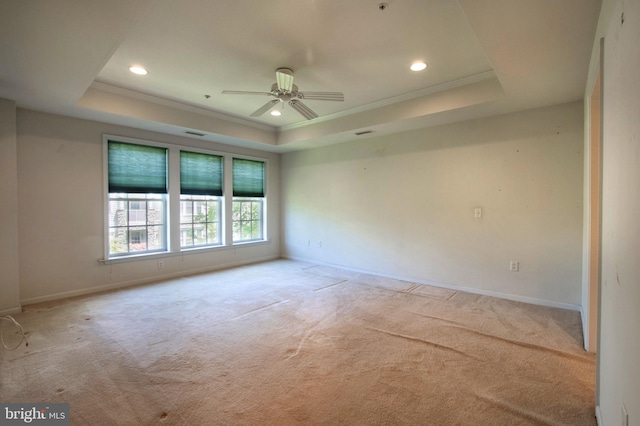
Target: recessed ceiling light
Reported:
[(418, 66), (276, 113), (136, 69)]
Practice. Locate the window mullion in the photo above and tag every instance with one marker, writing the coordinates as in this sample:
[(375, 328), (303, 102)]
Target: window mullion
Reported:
[(127, 233), (227, 215), (173, 210), (207, 205), (146, 224)]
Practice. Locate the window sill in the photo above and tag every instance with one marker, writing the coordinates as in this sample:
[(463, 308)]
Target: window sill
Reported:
[(252, 242), (134, 257), (182, 252)]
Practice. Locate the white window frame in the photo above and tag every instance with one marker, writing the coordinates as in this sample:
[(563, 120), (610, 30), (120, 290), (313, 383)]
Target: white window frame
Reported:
[(229, 190), (219, 223), (129, 198), (173, 198), (261, 221)]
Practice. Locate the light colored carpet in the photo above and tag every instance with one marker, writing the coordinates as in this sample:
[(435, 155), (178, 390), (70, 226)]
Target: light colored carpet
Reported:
[(288, 343)]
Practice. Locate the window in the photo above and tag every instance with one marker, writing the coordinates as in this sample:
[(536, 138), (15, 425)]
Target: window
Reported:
[(137, 199), (248, 200), (199, 221), (136, 225), (146, 215), (200, 199), (247, 219)]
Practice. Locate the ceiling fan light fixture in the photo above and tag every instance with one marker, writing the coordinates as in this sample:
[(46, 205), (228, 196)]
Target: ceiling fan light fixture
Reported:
[(418, 66), (137, 69), (276, 113)]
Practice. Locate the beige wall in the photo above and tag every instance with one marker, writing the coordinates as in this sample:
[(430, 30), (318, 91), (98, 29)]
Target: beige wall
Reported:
[(9, 278), (403, 205), (619, 348), (61, 199)]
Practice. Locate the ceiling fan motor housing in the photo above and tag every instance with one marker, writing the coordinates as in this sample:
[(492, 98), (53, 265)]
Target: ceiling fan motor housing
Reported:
[(285, 91), (281, 93)]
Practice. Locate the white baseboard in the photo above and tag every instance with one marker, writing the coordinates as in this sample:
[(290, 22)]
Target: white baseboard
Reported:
[(599, 416), (107, 287), (156, 278), (585, 329), (513, 297), (11, 311)]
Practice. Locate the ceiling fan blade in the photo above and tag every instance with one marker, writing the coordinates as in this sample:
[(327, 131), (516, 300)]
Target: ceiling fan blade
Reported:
[(304, 110), (244, 92), (264, 108), (322, 96), (284, 79)]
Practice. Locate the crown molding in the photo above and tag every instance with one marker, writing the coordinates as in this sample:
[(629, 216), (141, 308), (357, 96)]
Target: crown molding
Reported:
[(105, 87), (396, 99), (99, 85)]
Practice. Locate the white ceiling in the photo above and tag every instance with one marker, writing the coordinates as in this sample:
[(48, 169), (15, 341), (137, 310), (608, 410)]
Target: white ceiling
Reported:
[(484, 56)]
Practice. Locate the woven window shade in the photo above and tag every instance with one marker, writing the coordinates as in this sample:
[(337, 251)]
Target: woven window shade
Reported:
[(200, 174), (248, 178), (137, 168)]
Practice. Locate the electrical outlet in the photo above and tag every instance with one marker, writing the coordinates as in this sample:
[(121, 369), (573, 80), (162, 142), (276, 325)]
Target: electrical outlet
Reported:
[(477, 212), (514, 266), (308, 242), (160, 264), (319, 243)]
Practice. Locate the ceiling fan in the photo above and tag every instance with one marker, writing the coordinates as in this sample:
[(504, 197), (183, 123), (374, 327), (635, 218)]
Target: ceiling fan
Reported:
[(285, 91)]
